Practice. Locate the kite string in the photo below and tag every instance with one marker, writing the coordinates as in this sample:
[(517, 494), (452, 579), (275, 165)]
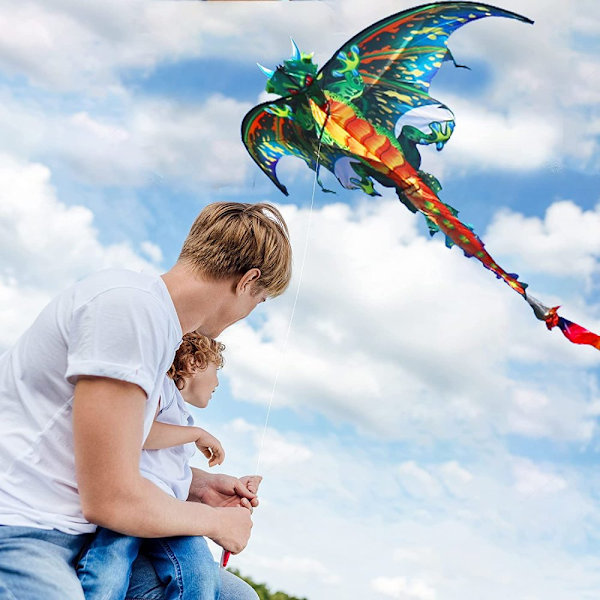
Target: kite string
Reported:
[(293, 312), (225, 554)]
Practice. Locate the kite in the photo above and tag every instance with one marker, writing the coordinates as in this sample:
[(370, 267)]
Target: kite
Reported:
[(363, 115)]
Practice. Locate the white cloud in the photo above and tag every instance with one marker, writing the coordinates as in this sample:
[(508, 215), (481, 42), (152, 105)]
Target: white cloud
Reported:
[(565, 242), (152, 251), (302, 566), (417, 481), (17, 309), (67, 45), (404, 588), (531, 116), (71, 46), (550, 412), (513, 138), (277, 452), (455, 477), (144, 140), (45, 245), (531, 480), (343, 526), (399, 335)]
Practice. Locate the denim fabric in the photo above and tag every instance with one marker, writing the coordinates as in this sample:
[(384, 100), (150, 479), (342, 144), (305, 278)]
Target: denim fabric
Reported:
[(39, 563), (183, 565), (234, 588), (146, 585), (105, 566)]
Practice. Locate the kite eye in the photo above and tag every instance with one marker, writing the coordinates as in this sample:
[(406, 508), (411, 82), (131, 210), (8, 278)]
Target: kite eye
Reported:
[(308, 80), (293, 92)]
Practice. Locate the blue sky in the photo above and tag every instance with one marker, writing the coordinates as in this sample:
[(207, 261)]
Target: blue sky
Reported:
[(428, 438)]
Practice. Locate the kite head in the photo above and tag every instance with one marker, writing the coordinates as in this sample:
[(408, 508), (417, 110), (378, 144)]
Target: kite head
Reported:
[(295, 74)]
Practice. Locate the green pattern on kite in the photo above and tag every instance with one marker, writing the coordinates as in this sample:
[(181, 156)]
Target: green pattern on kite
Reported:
[(364, 113)]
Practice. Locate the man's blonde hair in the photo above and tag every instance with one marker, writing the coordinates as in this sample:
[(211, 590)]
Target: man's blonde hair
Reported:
[(230, 238)]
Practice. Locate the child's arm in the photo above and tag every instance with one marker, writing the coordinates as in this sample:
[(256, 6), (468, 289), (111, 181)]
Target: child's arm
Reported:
[(165, 435)]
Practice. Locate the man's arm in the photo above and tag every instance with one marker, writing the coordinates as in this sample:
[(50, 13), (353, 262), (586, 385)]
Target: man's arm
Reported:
[(108, 420)]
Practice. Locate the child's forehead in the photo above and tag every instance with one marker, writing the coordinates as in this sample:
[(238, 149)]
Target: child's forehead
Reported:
[(209, 366)]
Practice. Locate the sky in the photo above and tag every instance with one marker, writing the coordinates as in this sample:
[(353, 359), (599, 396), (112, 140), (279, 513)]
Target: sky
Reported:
[(427, 438)]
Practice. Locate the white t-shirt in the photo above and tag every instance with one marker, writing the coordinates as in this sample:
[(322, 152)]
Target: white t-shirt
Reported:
[(169, 468), (117, 324)]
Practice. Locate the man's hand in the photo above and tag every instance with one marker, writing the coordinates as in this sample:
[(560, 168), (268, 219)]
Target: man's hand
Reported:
[(234, 527), (224, 490)]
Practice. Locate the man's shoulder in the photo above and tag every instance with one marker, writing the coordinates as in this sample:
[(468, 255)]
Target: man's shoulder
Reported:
[(120, 292), (119, 282), (118, 278)]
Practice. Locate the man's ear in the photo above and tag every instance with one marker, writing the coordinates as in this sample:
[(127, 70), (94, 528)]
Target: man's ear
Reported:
[(247, 280)]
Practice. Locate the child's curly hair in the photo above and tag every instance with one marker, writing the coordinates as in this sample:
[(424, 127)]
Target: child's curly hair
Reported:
[(194, 354)]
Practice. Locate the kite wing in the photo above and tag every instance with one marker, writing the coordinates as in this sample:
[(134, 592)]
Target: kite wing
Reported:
[(387, 68), (270, 132), (407, 48), (363, 114)]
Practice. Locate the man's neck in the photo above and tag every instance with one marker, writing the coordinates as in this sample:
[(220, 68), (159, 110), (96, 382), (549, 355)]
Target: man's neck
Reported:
[(196, 298)]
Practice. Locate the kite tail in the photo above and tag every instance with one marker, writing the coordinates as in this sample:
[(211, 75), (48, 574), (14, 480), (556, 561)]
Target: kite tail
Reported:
[(572, 331), (353, 133), (442, 217)]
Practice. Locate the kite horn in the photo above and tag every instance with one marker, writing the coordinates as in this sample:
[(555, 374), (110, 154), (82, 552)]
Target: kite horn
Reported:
[(268, 72), (295, 51)]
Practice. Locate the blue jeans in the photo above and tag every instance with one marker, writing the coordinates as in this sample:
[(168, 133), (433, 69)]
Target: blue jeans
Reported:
[(145, 584), (40, 563), (184, 565)]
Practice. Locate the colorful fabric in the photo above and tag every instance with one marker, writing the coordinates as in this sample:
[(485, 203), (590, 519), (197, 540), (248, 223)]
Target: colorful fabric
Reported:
[(364, 114)]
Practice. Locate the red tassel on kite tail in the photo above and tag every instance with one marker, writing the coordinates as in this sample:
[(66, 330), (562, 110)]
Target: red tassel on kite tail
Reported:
[(572, 331)]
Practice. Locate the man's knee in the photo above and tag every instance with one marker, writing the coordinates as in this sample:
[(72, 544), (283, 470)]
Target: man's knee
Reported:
[(234, 588), (206, 584)]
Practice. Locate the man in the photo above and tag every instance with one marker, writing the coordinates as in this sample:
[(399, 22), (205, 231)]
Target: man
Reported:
[(79, 390)]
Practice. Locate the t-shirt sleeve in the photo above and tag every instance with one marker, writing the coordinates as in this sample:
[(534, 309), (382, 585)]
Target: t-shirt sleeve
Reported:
[(121, 334)]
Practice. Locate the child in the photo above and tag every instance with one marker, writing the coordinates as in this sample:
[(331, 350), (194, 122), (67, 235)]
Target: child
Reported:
[(183, 564)]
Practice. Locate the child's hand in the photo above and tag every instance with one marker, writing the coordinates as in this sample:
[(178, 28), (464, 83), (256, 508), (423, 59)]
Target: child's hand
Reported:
[(210, 446), (251, 482)]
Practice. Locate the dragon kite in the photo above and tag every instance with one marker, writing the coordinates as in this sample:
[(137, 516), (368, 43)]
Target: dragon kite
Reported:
[(363, 115)]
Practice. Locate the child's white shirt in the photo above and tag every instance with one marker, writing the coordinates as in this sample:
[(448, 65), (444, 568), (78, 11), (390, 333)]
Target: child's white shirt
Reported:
[(169, 468)]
